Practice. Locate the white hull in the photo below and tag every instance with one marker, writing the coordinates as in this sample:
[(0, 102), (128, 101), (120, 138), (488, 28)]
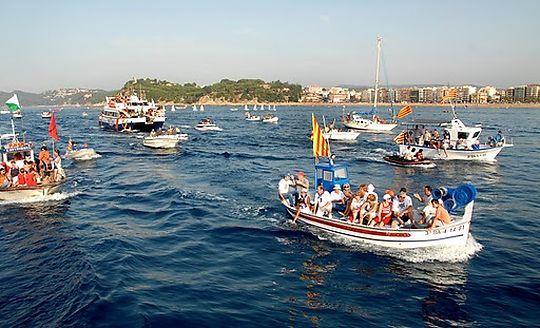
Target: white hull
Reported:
[(456, 233), (482, 154), (271, 120), (369, 125), (253, 118), (164, 141), (82, 154), (341, 135), (14, 194), (208, 128)]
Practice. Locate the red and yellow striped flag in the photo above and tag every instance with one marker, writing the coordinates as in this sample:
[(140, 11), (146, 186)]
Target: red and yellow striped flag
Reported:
[(400, 138), (320, 144), (452, 94), (406, 110)]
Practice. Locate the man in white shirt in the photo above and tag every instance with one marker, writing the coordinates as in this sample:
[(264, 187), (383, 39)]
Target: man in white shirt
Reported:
[(428, 212), (284, 190), (338, 198), (402, 208), (323, 202)]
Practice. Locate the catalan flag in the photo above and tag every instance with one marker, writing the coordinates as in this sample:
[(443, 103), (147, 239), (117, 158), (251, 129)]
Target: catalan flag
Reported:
[(400, 138), (452, 94), (320, 145), (406, 110)]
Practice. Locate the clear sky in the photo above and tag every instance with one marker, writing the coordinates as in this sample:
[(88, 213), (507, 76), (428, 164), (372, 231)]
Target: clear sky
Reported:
[(101, 44)]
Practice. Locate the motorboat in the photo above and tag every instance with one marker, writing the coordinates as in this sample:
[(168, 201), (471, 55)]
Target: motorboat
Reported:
[(46, 114), (133, 113), (400, 161), (251, 117), (83, 154), (340, 135), (234, 109), (269, 118), (84, 114), (165, 139), (17, 114), (460, 142), (207, 124)]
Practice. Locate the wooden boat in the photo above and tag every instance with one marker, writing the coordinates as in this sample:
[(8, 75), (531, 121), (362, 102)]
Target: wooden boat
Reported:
[(23, 192), (400, 161)]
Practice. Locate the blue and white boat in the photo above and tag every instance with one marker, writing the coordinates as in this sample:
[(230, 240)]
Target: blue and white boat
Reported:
[(131, 114), (459, 202)]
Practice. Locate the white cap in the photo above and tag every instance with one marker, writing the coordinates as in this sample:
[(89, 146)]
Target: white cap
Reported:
[(336, 186), (387, 197)]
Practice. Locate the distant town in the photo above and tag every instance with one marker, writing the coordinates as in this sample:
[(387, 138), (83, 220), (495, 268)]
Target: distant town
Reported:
[(251, 91), (466, 94)]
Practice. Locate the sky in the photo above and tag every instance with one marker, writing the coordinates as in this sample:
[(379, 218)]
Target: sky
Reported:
[(101, 44)]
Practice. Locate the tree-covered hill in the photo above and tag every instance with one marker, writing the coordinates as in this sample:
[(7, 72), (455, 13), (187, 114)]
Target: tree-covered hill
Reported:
[(225, 91)]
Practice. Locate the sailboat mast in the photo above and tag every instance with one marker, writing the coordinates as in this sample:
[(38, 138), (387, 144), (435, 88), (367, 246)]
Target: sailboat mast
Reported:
[(379, 40)]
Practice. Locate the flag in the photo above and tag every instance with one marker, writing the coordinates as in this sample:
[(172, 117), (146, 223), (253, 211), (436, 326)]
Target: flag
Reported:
[(13, 103), (52, 129), (407, 110), (400, 138), (320, 144), (452, 94)]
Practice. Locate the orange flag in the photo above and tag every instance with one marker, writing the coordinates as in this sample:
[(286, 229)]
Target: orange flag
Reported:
[(320, 144), (53, 132), (407, 110)]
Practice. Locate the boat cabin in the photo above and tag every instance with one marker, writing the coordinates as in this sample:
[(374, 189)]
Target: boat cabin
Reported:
[(329, 174), (13, 149), (457, 130)]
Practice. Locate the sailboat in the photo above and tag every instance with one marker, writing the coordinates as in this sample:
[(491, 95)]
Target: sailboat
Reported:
[(246, 107), (172, 108), (194, 107), (202, 108), (274, 108), (373, 123)]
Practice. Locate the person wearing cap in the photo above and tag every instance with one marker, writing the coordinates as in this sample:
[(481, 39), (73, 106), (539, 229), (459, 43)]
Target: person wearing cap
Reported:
[(303, 205), (371, 191), (384, 216), (428, 211), (338, 198), (301, 182)]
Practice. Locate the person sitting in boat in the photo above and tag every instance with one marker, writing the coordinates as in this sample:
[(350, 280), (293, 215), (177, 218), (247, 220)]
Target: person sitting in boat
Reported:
[(419, 156), (409, 155), (14, 173), (338, 198), (356, 204), (20, 179), (368, 210), (371, 191), (442, 217), (153, 133), (498, 139), (284, 190), (402, 208), (349, 195), (304, 204), (44, 160), (428, 211), (384, 215), (31, 178), (435, 139), (427, 138), (4, 181), (323, 203), (460, 144)]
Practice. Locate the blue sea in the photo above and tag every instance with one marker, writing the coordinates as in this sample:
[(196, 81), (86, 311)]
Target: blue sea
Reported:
[(196, 237)]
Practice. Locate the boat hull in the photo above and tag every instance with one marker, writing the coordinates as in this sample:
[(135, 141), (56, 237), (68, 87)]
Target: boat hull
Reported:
[(22, 193), (81, 154), (341, 135), (399, 161), (166, 141), (369, 125), (138, 124), (454, 234), (482, 154)]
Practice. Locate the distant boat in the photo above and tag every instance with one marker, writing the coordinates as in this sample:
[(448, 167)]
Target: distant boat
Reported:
[(261, 107), (255, 107), (195, 108), (246, 107), (84, 114), (17, 114), (234, 109), (274, 108), (202, 108), (46, 114), (172, 108)]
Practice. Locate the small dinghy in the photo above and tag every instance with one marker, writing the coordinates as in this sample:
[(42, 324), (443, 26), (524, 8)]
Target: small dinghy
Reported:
[(400, 161)]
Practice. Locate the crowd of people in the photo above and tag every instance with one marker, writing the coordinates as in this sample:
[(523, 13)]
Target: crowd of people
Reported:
[(363, 206), (47, 170), (425, 137)]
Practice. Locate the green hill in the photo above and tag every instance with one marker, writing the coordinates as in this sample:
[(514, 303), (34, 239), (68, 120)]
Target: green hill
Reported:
[(244, 90)]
